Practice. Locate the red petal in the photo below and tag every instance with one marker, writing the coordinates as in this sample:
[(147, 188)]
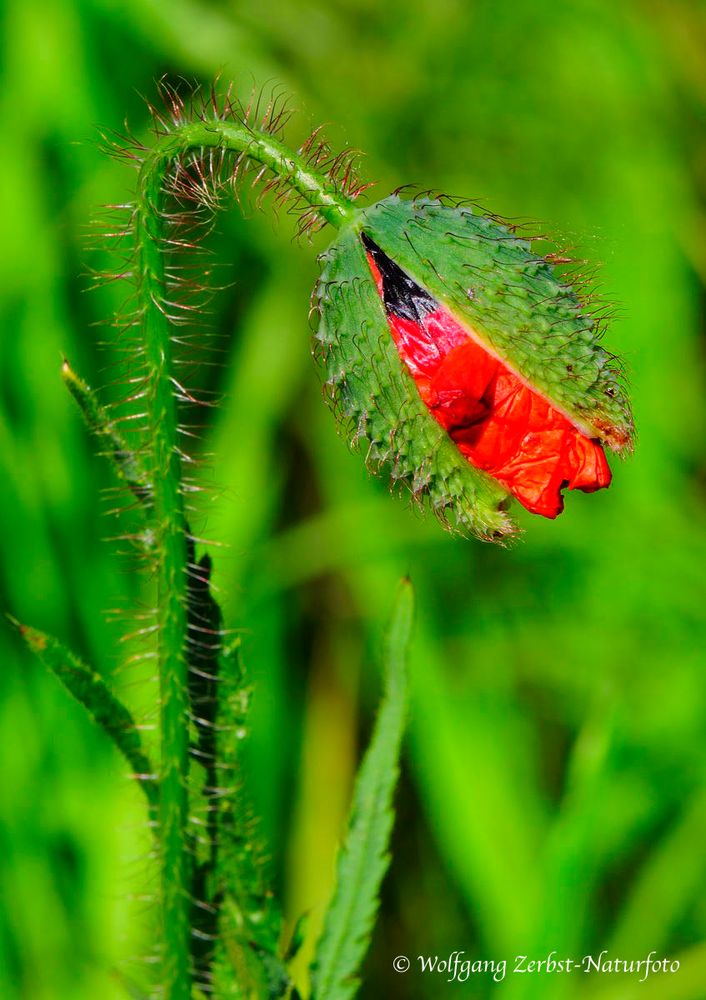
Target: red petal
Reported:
[(500, 424)]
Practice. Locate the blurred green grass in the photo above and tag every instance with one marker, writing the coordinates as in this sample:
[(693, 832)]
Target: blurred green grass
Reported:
[(554, 791)]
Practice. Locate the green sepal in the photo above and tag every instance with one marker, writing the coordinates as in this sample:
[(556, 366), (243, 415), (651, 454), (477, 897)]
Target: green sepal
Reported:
[(372, 391), (515, 302)]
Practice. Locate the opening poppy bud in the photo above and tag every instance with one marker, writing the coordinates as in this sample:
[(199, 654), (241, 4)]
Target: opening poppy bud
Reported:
[(434, 315)]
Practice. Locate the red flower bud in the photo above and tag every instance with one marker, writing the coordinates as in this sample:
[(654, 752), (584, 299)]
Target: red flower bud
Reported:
[(499, 352)]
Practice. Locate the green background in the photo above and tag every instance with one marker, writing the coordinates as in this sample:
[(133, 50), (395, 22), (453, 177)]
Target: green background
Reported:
[(553, 795)]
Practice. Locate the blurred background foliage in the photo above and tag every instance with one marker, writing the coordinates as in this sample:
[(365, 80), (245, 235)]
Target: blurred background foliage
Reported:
[(554, 792)]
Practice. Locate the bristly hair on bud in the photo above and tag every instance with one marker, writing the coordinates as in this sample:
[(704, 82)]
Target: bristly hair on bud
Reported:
[(469, 365)]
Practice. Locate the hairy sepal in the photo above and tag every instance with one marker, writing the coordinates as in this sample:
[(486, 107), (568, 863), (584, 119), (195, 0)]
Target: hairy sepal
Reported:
[(372, 391), (514, 302)]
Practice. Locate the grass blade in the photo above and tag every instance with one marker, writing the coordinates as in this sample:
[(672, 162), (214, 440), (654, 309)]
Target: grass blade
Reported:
[(364, 857)]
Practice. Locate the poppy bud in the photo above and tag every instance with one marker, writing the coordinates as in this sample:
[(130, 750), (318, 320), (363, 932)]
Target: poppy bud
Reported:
[(468, 365)]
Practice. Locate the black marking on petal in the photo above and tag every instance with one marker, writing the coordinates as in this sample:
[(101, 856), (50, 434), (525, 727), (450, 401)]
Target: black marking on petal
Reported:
[(402, 296)]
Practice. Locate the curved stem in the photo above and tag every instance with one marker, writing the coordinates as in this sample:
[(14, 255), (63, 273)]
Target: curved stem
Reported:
[(315, 188), (170, 524)]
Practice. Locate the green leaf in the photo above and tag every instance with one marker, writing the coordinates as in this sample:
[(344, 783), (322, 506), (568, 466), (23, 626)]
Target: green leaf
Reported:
[(91, 690), (128, 465), (364, 857)]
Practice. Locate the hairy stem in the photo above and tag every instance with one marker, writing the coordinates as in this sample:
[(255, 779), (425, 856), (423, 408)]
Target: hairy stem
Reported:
[(172, 588), (165, 475), (316, 189)]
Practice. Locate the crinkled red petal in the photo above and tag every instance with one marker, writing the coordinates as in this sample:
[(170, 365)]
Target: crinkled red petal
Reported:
[(500, 424)]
